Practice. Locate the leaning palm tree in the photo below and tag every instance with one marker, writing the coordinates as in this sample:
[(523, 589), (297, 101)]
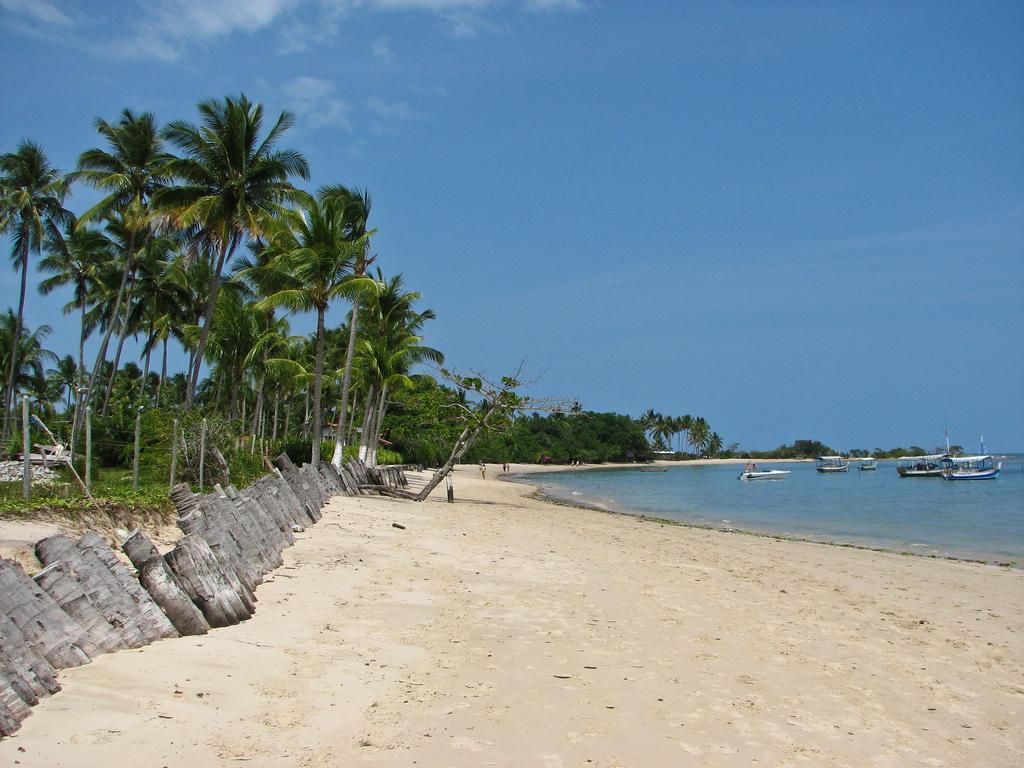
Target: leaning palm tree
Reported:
[(229, 182), (315, 261), (129, 171), (31, 211)]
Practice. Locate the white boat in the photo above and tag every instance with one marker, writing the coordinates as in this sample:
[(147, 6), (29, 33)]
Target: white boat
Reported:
[(867, 465), (981, 467), (830, 464), (763, 474)]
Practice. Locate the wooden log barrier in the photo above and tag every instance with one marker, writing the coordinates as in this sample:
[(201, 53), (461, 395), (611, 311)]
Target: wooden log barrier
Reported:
[(156, 576), (46, 628), (196, 568), (98, 583), (28, 672), (155, 625), (60, 583)]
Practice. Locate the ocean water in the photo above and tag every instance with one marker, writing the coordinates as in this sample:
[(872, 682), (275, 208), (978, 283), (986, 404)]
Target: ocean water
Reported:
[(979, 520)]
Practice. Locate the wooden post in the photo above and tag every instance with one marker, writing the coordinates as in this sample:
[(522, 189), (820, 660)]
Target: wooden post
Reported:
[(135, 452), (88, 448), (26, 446), (202, 455), (174, 453)]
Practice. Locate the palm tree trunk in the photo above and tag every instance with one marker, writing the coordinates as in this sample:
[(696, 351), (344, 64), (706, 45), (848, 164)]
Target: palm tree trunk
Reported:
[(120, 345), (9, 390), (145, 368), (378, 424), (101, 355), (259, 401), (163, 375), (346, 382), (211, 299), (277, 402), (350, 438), (318, 384), (287, 417), (367, 427), (305, 420)]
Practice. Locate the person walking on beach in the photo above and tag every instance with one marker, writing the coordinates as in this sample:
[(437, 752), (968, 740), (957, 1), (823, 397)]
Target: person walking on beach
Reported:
[(483, 471)]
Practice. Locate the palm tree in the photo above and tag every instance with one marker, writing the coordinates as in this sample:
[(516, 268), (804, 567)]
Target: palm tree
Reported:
[(390, 347), (229, 182), (28, 352), (315, 260), (65, 377), (700, 431), (130, 171), (76, 261), (32, 211), (356, 207)]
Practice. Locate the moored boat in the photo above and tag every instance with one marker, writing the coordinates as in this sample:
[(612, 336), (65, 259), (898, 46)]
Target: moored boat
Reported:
[(970, 468), (921, 466), (766, 474), (829, 464), (867, 465)]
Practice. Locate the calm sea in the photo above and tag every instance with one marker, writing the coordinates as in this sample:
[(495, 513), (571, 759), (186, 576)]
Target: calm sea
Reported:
[(982, 519)]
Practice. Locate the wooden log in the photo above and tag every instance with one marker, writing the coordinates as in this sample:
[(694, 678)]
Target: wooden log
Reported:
[(199, 573), (156, 576), (48, 630), (155, 625), (138, 548), (29, 673), (266, 493), (12, 709), (291, 501), (351, 479), (98, 584), (60, 583), (267, 533)]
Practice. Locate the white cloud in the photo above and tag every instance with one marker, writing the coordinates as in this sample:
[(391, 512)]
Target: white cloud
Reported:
[(313, 99), (165, 29), (40, 11), (381, 49), (392, 110), (554, 6)]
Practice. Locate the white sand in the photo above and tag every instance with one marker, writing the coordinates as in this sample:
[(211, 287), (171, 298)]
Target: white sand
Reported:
[(504, 631)]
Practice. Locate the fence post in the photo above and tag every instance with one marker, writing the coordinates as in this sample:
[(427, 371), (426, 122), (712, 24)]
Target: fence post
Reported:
[(135, 451), (26, 445), (202, 455), (174, 453), (88, 448)]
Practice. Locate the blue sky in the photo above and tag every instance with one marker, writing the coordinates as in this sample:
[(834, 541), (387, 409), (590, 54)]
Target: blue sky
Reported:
[(799, 220)]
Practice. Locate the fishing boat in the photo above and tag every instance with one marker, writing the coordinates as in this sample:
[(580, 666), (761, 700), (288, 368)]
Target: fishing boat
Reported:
[(766, 474), (970, 468), (831, 464), (921, 466), (867, 465)]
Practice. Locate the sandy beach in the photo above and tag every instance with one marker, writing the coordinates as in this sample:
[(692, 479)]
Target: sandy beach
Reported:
[(503, 630)]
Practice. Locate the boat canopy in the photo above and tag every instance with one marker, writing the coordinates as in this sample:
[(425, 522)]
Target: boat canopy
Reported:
[(929, 456), (967, 459), (831, 458)]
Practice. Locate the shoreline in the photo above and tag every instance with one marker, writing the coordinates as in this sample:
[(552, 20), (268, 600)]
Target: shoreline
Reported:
[(504, 630), (541, 494)]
